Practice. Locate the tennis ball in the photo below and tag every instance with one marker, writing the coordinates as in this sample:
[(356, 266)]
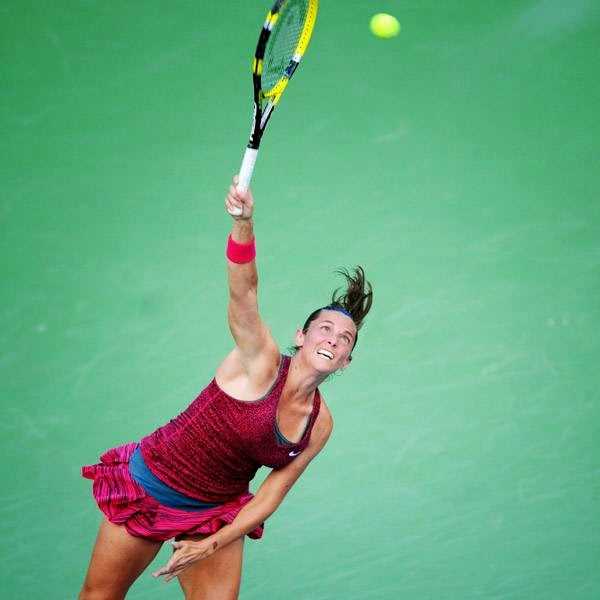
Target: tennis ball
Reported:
[(384, 26)]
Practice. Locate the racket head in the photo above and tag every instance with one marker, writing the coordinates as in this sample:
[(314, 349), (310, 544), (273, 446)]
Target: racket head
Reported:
[(285, 36)]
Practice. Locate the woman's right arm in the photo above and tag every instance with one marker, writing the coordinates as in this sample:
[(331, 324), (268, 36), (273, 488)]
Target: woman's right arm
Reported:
[(255, 346)]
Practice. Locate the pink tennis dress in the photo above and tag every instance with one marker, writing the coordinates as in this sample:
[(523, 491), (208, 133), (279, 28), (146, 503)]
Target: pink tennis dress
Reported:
[(210, 452)]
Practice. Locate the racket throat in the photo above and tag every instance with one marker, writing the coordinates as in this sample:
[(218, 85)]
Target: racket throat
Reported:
[(266, 115)]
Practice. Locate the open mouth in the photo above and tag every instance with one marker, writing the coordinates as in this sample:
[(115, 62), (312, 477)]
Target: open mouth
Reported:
[(325, 353)]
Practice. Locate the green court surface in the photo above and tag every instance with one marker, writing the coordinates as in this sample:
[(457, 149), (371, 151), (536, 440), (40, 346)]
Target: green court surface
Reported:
[(457, 162)]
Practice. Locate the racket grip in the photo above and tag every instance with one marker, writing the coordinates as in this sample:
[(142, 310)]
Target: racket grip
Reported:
[(247, 169)]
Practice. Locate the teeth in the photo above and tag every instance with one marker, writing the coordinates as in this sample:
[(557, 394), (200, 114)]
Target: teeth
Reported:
[(325, 354)]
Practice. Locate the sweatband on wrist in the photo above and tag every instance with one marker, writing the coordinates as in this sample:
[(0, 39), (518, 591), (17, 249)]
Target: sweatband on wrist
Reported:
[(240, 253)]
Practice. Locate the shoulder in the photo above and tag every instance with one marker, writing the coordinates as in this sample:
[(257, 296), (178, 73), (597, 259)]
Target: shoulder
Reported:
[(248, 380)]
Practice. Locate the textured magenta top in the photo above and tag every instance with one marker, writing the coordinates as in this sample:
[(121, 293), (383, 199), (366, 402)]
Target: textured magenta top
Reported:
[(213, 449)]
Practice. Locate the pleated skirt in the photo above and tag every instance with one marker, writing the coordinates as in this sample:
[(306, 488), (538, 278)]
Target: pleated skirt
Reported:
[(124, 502)]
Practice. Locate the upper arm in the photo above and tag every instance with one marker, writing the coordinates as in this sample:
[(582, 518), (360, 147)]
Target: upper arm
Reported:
[(249, 331), (251, 335)]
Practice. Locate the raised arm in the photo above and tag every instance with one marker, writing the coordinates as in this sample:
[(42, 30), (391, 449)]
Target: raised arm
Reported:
[(254, 342)]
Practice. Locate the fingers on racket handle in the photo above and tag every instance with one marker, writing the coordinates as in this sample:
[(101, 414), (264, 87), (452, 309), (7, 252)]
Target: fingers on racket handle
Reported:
[(247, 169), (235, 212)]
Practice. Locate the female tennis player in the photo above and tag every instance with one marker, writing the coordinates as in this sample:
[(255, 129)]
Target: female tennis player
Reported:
[(189, 480)]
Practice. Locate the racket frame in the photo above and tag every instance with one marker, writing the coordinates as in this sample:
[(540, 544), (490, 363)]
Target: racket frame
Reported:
[(265, 102)]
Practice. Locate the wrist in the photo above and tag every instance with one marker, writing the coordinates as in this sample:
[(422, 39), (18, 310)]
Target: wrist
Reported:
[(208, 546), (239, 252), (243, 231)]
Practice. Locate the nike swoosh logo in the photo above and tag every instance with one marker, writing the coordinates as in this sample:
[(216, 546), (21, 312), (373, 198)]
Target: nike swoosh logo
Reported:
[(294, 453)]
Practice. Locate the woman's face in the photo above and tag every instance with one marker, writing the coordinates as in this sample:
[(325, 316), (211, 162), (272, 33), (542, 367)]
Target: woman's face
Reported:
[(328, 342)]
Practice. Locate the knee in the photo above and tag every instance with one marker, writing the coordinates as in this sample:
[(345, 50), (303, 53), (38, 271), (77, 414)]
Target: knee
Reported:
[(106, 592), (202, 595)]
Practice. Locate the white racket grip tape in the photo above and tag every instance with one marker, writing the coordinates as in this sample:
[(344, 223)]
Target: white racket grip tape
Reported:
[(245, 176), (247, 169)]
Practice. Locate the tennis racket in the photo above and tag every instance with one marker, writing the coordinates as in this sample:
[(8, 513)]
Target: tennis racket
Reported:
[(281, 46)]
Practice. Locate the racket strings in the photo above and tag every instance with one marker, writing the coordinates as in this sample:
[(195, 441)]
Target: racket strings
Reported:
[(283, 42)]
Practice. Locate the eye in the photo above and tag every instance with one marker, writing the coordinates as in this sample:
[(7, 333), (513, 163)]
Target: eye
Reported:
[(325, 327), (345, 339)]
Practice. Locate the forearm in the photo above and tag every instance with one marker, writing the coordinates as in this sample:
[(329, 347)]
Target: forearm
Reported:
[(241, 267), (188, 552), (268, 497), (255, 513)]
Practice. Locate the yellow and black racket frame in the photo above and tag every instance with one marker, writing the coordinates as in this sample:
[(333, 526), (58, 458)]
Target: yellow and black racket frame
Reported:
[(265, 101)]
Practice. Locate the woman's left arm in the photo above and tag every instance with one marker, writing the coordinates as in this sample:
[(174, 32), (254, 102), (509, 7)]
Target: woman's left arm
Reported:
[(267, 499)]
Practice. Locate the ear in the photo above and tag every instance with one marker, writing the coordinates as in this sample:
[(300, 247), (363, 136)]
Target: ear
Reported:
[(346, 363), (299, 338)]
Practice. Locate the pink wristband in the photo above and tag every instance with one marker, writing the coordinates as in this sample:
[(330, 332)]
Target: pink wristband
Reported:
[(240, 253)]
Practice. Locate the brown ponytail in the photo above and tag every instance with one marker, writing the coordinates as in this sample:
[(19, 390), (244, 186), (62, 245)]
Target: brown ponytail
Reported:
[(356, 301)]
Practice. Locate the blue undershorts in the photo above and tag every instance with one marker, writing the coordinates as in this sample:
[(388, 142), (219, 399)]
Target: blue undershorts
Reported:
[(160, 491)]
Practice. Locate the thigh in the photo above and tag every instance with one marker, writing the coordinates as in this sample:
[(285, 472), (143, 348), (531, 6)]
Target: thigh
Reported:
[(117, 560), (216, 577)]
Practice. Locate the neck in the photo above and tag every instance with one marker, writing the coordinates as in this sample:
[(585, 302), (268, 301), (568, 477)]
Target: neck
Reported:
[(302, 380)]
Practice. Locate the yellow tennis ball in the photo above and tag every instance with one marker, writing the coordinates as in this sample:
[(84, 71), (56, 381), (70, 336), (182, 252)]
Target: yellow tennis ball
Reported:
[(384, 26)]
